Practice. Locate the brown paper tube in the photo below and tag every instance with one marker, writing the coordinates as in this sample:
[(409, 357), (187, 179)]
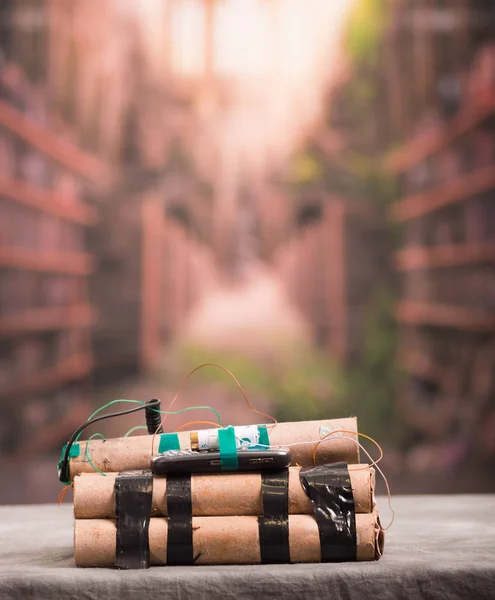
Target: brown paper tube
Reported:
[(134, 453), (214, 495), (222, 540)]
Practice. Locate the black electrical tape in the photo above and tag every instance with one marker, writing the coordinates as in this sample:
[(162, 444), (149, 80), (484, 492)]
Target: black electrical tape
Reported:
[(273, 526), (179, 512), (153, 416), (133, 492), (330, 491)]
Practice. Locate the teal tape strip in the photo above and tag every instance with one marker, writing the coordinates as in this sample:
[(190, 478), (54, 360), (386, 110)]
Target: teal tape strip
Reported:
[(228, 449), (264, 439), (168, 441), (74, 451)]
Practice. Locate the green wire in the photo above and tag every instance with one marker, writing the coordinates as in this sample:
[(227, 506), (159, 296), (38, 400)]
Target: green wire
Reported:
[(176, 412), (106, 406), (134, 429), (87, 453)]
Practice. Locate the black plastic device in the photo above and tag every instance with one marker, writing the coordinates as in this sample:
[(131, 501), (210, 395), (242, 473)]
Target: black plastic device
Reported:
[(192, 461)]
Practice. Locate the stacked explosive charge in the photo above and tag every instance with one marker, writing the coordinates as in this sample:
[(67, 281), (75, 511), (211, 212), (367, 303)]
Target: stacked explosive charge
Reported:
[(130, 519)]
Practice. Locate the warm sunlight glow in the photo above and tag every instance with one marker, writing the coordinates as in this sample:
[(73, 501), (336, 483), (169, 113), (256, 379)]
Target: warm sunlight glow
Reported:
[(273, 55)]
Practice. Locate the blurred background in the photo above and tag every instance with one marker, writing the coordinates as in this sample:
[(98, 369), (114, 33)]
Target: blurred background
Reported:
[(302, 192)]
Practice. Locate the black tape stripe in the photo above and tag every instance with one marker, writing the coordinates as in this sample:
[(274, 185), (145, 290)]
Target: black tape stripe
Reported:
[(273, 526), (179, 511), (330, 491), (133, 492)]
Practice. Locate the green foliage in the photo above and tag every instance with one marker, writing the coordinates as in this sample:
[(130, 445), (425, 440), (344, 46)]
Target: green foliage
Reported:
[(300, 382), (368, 389), (306, 168), (365, 29), (305, 384), (297, 387), (381, 186)]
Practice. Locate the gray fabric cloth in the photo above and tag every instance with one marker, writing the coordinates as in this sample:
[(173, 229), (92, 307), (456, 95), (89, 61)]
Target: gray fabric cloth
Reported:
[(440, 547)]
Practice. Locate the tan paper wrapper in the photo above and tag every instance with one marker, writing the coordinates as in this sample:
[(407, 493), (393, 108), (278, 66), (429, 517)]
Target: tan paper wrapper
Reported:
[(215, 495), (134, 453), (222, 540)]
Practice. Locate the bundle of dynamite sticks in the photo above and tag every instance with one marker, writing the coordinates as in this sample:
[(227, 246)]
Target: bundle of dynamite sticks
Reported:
[(128, 518)]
